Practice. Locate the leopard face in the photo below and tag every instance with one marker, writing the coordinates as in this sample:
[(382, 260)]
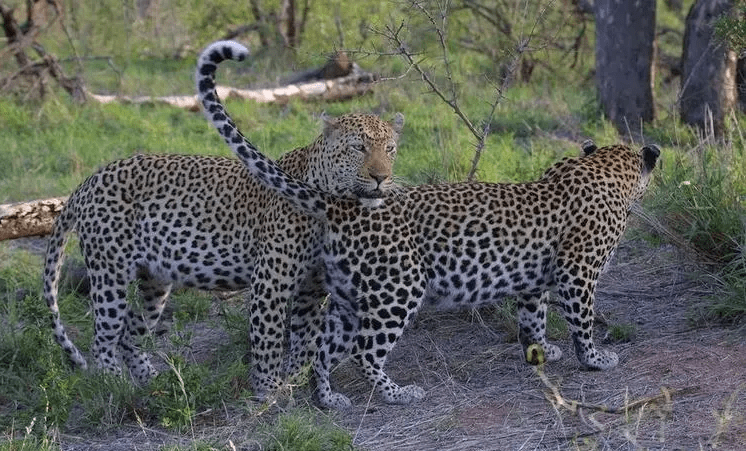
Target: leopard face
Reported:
[(365, 148)]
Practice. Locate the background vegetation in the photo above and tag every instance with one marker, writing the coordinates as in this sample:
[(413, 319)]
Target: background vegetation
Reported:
[(534, 60)]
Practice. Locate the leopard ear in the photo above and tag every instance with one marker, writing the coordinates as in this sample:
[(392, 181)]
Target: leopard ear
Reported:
[(330, 122), (650, 154), (588, 147), (397, 123)]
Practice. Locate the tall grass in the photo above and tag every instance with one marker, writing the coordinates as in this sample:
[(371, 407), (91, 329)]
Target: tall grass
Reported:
[(701, 197)]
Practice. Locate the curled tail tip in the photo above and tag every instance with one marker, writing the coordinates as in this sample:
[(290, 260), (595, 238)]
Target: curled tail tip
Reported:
[(220, 51), (208, 61)]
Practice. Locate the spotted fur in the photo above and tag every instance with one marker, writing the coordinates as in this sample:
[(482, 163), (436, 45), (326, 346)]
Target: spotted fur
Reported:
[(461, 245), (204, 222)]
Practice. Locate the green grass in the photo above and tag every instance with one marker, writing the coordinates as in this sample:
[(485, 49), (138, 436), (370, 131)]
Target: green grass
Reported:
[(302, 431), (52, 147), (622, 332)]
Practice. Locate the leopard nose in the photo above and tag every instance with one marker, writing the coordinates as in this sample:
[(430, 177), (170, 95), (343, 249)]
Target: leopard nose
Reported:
[(379, 178)]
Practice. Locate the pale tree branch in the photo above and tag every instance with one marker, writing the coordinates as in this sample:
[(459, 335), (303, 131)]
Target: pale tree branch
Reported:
[(409, 57), (394, 35)]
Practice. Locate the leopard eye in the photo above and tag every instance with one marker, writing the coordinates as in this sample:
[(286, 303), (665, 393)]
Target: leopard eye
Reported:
[(390, 149), (358, 147)]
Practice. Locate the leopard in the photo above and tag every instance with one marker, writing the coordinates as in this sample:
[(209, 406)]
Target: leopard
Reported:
[(160, 222), (458, 245)]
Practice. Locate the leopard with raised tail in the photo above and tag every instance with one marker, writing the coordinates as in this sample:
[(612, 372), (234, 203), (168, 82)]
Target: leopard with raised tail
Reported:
[(455, 246)]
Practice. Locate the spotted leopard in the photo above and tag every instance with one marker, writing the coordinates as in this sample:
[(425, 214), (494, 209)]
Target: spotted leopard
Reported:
[(204, 222), (460, 245)]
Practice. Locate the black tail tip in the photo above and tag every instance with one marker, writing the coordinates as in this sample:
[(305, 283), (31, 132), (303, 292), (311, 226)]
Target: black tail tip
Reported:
[(588, 147)]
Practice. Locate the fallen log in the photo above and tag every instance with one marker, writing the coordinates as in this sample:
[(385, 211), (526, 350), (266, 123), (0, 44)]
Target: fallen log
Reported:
[(358, 82), (33, 218)]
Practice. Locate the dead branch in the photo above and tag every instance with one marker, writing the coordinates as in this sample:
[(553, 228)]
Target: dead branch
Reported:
[(34, 218), (394, 36), (21, 38), (535, 355), (439, 24), (357, 83)]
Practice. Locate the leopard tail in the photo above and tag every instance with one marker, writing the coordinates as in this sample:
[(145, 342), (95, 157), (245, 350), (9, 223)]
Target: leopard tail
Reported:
[(63, 225), (300, 195)]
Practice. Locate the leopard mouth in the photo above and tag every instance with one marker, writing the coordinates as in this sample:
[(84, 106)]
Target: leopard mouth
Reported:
[(374, 194)]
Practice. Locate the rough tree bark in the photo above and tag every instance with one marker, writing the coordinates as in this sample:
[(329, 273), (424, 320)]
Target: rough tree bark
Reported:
[(708, 86), (625, 50), (741, 83), (33, 218)]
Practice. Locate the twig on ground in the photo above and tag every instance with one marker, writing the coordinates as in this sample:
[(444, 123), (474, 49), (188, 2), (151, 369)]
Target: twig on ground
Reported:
[(556, 398), (559, 401)]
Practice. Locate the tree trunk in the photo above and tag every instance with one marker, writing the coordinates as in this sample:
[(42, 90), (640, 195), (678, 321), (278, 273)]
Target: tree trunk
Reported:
[(287, 23), (625, 50), (261, 21), (741, 83), (708, 86)]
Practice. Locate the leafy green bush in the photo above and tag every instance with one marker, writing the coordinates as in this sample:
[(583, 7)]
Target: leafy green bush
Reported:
[(702, 199)]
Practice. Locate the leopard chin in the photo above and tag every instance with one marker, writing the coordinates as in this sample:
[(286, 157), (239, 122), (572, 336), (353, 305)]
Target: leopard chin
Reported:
[(371, 202)]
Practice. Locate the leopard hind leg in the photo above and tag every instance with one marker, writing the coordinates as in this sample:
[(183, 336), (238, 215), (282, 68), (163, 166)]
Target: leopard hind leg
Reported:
[(532, 325), (154, 294), (109, 299), (577, 308)]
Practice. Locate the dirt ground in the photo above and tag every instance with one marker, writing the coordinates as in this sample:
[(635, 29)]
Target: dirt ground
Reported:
[(680, 383)]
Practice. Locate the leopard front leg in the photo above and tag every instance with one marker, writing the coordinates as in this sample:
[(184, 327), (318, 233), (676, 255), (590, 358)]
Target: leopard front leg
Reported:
[(532, 320), (268, 301), (577, 308), (370, 353)]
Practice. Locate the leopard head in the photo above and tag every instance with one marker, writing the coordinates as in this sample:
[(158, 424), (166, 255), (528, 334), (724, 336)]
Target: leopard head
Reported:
[(355, 156)]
